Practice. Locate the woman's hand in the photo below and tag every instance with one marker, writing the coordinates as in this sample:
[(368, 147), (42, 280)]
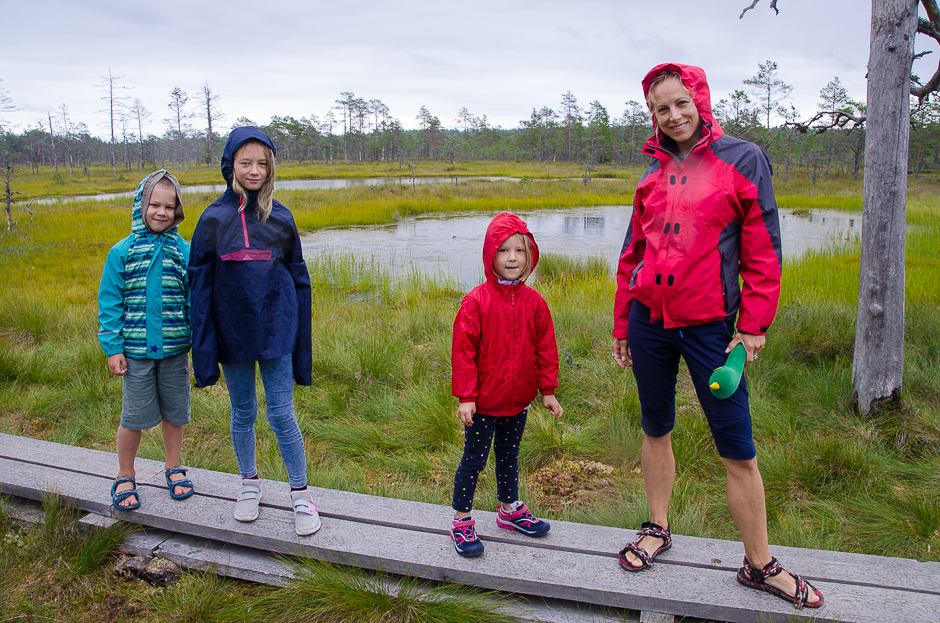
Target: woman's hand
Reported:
[(621, 354), (753, 344), (465, 412)]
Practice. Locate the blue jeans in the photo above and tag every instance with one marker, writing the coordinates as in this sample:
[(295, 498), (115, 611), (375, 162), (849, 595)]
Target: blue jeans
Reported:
[(277, 375)]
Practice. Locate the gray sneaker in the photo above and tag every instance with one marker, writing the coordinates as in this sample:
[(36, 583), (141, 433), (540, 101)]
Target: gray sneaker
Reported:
[(306, 519), (246, 506)]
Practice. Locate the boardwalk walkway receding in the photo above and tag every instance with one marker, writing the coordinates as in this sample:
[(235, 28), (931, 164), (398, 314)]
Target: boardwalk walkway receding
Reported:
[(574, 562)]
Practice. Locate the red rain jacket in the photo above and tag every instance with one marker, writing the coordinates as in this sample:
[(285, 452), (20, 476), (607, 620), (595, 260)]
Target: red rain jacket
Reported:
[(698, 224), (504, 350)]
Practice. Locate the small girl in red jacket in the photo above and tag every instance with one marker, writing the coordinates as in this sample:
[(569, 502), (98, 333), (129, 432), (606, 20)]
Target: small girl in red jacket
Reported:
[(503, 355)]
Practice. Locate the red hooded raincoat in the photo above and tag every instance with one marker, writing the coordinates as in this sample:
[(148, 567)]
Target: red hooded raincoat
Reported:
[(504, 350), (698, 224)]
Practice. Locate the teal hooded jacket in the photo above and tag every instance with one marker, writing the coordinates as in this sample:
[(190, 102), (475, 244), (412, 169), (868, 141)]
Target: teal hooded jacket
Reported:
[(112, 295)]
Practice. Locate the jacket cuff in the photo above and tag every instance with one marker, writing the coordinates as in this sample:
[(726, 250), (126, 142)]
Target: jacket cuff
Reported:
[(751, 328), (468, 399), (547, 392), (113, 350)]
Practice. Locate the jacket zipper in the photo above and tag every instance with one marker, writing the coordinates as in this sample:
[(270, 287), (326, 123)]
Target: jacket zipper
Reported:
[(512, 361), (704, 139), (241, 200)]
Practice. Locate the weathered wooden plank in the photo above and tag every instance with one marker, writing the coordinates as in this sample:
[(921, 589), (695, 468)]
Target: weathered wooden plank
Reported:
[(84, 460), (141, 542), (144, 542), (583, 538), (510, 567), (258, 566), (565, 536), (231, 561), (23, 510), (426, 552)]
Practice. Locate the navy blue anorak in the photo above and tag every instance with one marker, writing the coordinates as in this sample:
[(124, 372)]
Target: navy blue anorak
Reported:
[(250, 285)]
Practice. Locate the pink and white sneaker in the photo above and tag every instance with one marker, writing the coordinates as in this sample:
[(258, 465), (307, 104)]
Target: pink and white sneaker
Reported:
[(522, 520), (465, 538)]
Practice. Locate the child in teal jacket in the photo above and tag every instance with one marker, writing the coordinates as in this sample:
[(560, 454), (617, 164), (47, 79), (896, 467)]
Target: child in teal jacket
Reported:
[(143, 312)]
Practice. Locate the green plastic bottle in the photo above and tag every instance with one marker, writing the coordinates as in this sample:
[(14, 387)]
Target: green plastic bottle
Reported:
[(724, 381)]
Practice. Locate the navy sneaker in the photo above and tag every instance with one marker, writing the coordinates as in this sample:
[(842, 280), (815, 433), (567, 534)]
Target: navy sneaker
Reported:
[(466, 541), (519, 518)]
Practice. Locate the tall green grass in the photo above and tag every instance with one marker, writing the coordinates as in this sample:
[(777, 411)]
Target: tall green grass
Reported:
[(379, 417), (101, 179), (325, 593), (59, 570)]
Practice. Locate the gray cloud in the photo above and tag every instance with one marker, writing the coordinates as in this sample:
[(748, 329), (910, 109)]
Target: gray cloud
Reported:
[(500, 59)]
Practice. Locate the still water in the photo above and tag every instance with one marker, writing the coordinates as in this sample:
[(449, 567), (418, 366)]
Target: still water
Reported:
[(452, 246), (294, 185)]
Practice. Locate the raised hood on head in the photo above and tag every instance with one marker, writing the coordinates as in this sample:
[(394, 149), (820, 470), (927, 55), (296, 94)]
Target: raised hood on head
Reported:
[(501, 228), (694, 80), (142, 200), (236, 139)]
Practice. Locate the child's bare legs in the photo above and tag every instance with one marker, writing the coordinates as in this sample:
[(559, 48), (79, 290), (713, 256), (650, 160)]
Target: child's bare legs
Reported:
[(128, 442), (172, 445)]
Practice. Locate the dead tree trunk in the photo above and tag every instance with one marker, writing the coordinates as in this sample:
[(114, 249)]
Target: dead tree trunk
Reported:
[(8, 199), (878, 366)]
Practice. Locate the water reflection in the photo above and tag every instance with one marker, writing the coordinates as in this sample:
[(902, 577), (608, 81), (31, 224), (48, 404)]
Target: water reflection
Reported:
[(452, 245), (295, 185), (818, 229)]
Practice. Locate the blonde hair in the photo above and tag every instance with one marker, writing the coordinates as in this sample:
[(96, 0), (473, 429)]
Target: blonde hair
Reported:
[(167, 183), (659, 79), (266, 192), (527, 245)]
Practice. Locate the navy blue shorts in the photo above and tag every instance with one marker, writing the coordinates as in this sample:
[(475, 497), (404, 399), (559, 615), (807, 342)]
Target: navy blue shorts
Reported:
[(656, 352)]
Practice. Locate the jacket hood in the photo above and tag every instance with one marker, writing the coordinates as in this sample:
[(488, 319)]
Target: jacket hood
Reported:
[(501, 228), (694, 80), (142, 200), (236, 139)]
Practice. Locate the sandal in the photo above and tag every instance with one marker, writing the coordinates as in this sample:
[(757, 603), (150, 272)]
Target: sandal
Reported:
[(756, 578), (646, 559), (119, 496), (182, 482)]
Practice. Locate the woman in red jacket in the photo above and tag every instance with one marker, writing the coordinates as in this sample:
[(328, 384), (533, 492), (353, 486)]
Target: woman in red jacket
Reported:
[(503, 355), (704, 215)]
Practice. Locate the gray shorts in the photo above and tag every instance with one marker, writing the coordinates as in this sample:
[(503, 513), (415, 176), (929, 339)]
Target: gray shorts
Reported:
[(156, 390)]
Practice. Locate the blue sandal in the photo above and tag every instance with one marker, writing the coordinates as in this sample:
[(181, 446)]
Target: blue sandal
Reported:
[(183, 482), (119, 496)]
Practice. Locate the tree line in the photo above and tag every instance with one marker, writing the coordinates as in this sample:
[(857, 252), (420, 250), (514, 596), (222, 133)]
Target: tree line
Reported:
[(830, 140)]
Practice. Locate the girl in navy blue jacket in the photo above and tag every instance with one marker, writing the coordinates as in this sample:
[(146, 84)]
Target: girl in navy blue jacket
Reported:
[(251, 303)]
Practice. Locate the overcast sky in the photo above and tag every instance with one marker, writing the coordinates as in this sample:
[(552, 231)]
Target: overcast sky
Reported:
[(496, 58)]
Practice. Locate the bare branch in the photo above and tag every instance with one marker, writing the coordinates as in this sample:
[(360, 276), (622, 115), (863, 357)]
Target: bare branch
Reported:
[(773, 5), (931, 28), (837, 120)]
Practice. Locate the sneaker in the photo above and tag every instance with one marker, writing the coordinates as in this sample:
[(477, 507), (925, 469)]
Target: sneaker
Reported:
[(522, 520), (306, 518), (466, 541), (246, 506)]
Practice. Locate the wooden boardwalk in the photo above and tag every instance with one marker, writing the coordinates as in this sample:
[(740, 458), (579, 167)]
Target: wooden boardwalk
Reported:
[(575, 563)]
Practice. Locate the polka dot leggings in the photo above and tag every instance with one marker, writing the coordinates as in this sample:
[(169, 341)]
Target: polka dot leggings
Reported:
[(476, 446)]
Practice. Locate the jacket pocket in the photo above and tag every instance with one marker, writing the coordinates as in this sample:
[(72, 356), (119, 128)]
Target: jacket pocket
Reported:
[(635, 271), (247, 255)]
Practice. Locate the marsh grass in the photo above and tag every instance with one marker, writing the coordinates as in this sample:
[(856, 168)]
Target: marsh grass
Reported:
[(379, 417), (198, 597), (103, 180), (326, 593)]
